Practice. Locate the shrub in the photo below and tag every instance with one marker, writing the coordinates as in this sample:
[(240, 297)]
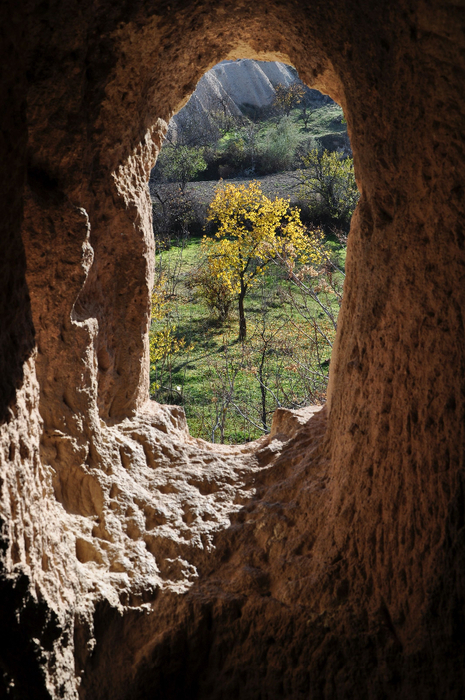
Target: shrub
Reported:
[(328, 186), (175, 215), (278, 153), (179, 163), (288, 97), (215, 292)]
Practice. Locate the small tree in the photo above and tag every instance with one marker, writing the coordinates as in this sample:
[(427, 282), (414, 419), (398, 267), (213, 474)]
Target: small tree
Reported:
[(213, 288), (164, 343), (330, 178), (305, 110), (253, 230), (179, 163), (174, 215), (172, 208), (287, 98), (224, 115)]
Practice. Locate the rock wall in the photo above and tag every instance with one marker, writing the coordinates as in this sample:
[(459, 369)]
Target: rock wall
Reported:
[(324, 561)]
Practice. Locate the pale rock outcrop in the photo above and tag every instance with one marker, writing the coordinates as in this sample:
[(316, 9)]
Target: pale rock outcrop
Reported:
[(226, 88), (195, 118), (245, 82)]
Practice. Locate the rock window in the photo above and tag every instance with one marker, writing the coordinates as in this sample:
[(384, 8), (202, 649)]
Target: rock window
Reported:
[(251, 132)]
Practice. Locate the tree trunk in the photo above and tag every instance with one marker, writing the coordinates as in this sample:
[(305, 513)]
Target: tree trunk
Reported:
[(263, 390), (242, 323)]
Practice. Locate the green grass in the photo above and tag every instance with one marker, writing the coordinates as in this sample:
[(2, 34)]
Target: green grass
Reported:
[(326, 120), (214, 377)]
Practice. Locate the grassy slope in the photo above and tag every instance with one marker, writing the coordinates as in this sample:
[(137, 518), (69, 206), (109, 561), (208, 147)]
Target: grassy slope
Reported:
[(200, 378)]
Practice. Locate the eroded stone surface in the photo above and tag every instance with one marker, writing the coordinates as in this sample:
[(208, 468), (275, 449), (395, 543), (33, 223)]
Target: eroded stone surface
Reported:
[(326, 560)]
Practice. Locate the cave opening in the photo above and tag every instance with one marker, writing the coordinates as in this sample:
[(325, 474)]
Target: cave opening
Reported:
[(144, 561), (251, 133)]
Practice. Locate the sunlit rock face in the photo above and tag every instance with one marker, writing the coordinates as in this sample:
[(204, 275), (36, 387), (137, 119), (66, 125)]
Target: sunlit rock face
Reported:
[(327, 559)]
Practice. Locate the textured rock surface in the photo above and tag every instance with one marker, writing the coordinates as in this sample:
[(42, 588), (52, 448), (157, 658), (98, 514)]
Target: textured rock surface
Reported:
[(252, 82), (325, 561)]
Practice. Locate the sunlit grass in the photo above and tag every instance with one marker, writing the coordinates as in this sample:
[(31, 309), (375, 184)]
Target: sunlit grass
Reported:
[(215, 377)]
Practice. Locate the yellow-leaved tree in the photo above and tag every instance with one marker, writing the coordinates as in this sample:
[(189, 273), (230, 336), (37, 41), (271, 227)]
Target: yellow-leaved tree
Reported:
[(164, 343), (253, 230)]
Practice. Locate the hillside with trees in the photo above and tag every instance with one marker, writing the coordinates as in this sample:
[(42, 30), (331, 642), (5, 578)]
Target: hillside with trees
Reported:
[(252, 198)]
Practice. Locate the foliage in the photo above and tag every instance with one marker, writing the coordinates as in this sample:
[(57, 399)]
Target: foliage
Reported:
[(329, 180), (277, 153), (252, 231), (288, 97), (164, 344), (222, 115), (211, 286), (180, 163), (249, 143), (175, 215), (240, 145), (230, 389)]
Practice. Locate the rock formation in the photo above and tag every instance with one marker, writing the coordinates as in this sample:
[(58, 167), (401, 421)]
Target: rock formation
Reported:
[(228, 87), (251, 82), (327, 559)]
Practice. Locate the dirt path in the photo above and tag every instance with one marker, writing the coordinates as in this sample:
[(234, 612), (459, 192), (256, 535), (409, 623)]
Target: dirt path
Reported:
[(281, 184)]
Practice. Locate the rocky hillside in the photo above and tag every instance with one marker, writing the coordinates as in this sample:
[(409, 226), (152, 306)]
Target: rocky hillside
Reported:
[(232, 85)]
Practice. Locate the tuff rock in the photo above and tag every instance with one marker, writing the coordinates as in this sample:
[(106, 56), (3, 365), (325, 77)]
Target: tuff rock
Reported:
[(327, 559)]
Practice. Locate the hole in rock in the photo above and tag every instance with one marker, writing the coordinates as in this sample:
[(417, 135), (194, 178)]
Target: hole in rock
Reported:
[(252, 197)]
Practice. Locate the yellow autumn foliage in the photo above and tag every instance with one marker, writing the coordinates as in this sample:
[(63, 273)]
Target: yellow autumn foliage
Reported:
[(162, 340), (253, 230)]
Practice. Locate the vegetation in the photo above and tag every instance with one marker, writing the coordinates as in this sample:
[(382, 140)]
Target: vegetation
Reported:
[(253, 231), (180, 163), (256, 267), (288, 97), (164, 344), (328, 183), (256, 142), (230, 389)]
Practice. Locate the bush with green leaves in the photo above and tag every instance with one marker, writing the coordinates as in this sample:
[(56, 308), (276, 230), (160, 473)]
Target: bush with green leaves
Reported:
[(277, 154), (328, 186), (179, 163)]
